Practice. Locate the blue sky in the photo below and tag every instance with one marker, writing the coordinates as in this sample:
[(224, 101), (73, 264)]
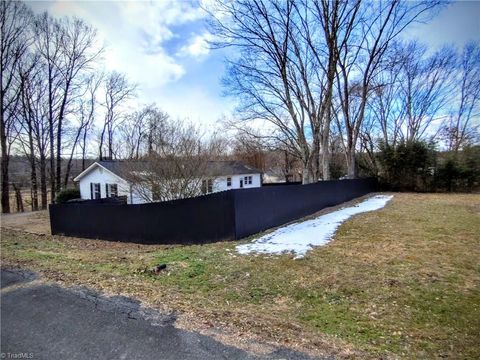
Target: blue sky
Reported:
[(161, 46)]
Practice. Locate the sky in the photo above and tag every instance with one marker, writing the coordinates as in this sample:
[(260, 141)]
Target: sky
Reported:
[(162, 47)]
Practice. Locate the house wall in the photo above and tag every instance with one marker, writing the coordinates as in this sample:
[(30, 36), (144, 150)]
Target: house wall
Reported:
[(220, 183), (103, 176)]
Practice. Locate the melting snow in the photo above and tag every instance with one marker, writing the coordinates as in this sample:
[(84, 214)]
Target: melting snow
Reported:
[(301, 237)]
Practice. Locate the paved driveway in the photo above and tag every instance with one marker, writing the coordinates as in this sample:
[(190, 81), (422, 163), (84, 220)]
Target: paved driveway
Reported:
[(48, 322)]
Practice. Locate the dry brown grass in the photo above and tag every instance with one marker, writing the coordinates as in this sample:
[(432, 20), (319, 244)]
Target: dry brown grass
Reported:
[(26, 199), (399, 282), (36, 222)]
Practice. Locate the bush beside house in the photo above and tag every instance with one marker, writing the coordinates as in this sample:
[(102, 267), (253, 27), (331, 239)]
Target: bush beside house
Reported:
[(67, 194)]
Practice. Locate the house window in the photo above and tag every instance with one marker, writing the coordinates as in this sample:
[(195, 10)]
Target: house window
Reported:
[(248, 180), (229, 181), (95, 191), (111, 190), (207, 186)]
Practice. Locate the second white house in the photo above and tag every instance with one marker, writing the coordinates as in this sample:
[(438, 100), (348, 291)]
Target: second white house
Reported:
[(107, 178)]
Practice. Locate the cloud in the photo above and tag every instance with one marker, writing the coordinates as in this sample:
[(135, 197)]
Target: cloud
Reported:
[(134, 33), (456, 24), (198, 46), (154, 44), (154, 19)]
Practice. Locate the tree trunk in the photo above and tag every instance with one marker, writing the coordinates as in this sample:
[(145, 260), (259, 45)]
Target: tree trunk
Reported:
[(307, 172), (326, 163), (110, 144), (43, 182), (5, 185), (34, 186), (315, 167), (18, 198), (58, 170), (52, 158), (326, 156), (50, 130), (351, 164), (100, 147), (5, 161), (325, 144), (33, 170), (84, 148)]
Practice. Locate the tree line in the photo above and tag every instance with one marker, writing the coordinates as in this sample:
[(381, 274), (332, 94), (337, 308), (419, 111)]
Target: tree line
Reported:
[(56, 101), (332, 83), (330, 77)]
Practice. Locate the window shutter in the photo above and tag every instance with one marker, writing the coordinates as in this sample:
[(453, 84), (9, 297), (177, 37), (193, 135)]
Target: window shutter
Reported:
[(91, 191), (106, 190)]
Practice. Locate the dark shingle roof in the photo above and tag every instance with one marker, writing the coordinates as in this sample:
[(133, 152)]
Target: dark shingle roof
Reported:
[(119, 167), (213, 168), (228, 167)]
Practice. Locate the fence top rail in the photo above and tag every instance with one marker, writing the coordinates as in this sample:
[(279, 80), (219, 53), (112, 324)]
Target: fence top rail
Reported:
[(207, 197)]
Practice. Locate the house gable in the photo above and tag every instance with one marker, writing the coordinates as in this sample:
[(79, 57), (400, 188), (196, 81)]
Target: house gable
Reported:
[(93, 167)]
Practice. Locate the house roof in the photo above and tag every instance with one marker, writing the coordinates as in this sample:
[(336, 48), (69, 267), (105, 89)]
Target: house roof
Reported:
[(119, 167), (114, 166), (213, 168), (229, 167)]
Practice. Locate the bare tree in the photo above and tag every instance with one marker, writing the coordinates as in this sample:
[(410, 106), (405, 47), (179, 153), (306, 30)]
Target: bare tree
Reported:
[(139, 129), (68, 48), (386, 112), (361, 59), (47, 39), (423, 88), (87, 108), (117, 91), (28, 72), (286, 68), (33, 118), (407, 98), (250, 150), (177, 165), (463, 123), (79, 51), (14, 42)]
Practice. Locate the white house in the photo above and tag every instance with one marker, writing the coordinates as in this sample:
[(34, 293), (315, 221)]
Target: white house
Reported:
[(105, 179)]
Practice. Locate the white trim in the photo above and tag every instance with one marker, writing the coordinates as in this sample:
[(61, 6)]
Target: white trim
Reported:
[(90, 168)]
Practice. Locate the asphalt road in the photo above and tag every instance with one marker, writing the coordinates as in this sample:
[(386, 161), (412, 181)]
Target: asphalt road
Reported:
[(48, 322)]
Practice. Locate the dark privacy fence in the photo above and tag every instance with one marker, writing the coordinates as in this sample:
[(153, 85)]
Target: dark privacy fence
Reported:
[(221, 216)]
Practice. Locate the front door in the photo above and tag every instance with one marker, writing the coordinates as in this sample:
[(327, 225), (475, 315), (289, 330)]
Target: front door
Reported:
[(241, 183)]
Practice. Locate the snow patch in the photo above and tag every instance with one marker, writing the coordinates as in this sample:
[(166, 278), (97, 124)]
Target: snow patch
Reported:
[(301, 237)]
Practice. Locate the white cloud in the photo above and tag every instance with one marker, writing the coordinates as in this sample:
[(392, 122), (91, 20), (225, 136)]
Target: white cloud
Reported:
[(133, 33), (456, 24), (198, 46), (153, 19), (139, 37)]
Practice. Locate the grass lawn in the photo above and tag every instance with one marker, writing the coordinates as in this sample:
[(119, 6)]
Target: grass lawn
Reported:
[(403, 281)]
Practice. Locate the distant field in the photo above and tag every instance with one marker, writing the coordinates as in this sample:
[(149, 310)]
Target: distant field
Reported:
[(403, 282), (27, 200)]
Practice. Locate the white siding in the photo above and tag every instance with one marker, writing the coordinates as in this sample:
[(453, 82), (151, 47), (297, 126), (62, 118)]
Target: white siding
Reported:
[(220, 183), (102, 176)]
